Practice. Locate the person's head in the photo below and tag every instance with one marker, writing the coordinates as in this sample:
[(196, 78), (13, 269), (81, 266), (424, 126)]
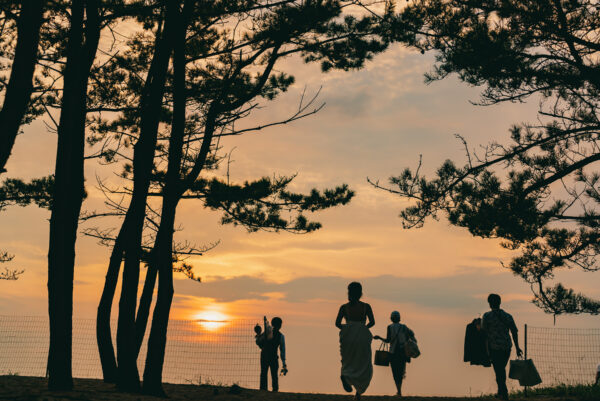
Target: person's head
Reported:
[(276, 322), (494, 300), (395, 316), (257, 329), (354, 291)]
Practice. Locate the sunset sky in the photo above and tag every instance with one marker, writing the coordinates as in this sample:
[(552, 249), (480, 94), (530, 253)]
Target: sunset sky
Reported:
[(376, 122)]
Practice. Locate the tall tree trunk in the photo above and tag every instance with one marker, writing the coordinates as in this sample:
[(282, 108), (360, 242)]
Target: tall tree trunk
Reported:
[(143, 161), (20, 85), (162, 260), (160, 318), (69, 189)]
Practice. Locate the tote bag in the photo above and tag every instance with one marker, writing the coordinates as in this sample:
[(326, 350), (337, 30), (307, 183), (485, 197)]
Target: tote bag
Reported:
[(525, 372), (383, 355)]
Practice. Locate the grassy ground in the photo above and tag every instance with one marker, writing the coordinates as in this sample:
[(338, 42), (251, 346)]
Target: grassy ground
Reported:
[(19, 388)]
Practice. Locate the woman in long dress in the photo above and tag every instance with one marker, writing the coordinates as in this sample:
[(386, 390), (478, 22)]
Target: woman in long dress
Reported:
[(355, 341)]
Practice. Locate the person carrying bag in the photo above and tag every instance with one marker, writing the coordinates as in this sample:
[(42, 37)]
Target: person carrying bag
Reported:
[(402, 347), (498, 326)]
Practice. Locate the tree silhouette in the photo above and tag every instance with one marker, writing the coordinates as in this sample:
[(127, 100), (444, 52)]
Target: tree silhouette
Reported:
[(17, 91), (17, 192), (68, 41), (146, 112), (9, 274), (215, 78), (540, 193), (81, 45), (20, 26)]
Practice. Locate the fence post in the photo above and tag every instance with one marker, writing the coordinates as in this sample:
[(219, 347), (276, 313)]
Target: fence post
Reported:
[(525, 340)]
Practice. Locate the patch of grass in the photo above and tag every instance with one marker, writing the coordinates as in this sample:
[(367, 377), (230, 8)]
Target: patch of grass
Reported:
[(10, 373), (206, 381), (582, 391)]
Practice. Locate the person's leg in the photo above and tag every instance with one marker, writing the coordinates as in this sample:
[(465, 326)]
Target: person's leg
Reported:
[(398, 366), (496, 366), (499, 360), (264, 366), (504, 361), (274, 366), (402, 374), (346, 385)]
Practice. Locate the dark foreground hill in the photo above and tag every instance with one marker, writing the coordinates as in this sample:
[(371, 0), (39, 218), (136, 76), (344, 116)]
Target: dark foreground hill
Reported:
[(19, 388)]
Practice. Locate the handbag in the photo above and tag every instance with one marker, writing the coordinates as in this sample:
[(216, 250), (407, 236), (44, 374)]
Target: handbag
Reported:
[(525, 372), (383, 355), (411, 349)]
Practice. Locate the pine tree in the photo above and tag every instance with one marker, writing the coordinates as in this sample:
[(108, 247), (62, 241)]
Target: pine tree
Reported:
[(540, 193), (216, 77)]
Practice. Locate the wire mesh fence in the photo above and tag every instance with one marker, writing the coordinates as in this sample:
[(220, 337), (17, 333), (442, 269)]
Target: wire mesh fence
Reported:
[(206, 352), (199, 352), (564, 356)]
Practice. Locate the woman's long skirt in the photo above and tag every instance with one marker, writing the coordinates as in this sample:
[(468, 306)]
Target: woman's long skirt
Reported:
[(355, 349)]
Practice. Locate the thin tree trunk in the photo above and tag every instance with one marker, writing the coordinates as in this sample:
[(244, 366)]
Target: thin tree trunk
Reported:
[(20, 85), (103, 331), (143, 159), (69, 190), (143, 313)]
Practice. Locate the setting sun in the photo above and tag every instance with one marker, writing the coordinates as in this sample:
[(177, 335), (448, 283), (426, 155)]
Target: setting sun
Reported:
[(211, 320)]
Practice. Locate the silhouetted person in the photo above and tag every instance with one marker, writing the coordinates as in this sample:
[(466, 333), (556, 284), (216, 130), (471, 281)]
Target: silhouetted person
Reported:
[(397, 335), (269, 342), (598, 375), (497, 324), (355, 341)]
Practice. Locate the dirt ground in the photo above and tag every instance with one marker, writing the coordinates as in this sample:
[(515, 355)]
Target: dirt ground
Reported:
[(34, 389)]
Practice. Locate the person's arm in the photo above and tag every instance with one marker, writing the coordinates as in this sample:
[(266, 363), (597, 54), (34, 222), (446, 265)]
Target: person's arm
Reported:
[(282, 350), (515, 336), (340, 316), (370, 317), (387, 336)]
